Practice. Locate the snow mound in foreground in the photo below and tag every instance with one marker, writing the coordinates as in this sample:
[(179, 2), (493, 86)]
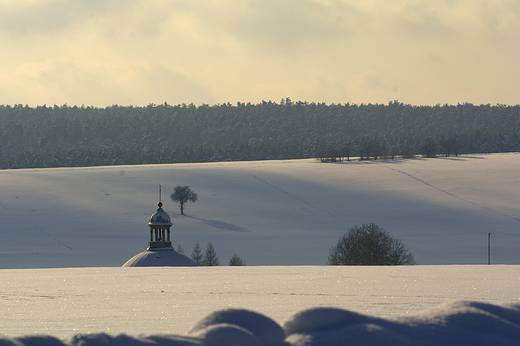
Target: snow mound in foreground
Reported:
[(458, 323)]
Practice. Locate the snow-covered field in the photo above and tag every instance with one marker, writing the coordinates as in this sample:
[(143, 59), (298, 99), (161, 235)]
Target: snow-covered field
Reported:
[(281, 217), (268, 213), (410, 303)]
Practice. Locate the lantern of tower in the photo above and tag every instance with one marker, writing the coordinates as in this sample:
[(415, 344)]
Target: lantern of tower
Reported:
[(160, 225)]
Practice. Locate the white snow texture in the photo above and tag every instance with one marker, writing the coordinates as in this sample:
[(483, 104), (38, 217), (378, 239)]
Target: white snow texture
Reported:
[(457, 323), (282, 217), (267, 212)]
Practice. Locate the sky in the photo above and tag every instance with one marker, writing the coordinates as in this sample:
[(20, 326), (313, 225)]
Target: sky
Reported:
[(132, 52)]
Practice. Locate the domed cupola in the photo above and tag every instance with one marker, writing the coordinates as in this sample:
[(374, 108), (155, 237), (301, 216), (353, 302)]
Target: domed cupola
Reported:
[(160, 217), (160, 225)]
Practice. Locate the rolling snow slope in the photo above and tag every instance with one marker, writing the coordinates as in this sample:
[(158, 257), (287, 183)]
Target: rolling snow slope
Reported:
[(267, 212)]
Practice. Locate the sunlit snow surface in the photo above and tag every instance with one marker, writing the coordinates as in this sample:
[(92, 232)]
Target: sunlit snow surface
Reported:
[(290, 305), (268, 213)]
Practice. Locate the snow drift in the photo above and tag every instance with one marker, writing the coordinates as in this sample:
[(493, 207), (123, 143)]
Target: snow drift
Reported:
[(457, 323)]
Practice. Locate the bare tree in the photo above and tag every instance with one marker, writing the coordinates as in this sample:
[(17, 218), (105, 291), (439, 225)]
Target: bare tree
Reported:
[(236, 261), (449, 145), (180, 249), (408, 147), (369, 244), (327, 152), (210, 257), (429, 147), (334, 151), (196, 255), (346, 149), (371, 146), (183, 195)]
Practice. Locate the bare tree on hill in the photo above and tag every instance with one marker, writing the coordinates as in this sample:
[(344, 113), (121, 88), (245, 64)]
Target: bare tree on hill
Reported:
[(183, 195)]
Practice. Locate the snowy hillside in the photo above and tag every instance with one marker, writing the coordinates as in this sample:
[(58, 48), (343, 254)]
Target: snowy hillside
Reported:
[(268, 212)]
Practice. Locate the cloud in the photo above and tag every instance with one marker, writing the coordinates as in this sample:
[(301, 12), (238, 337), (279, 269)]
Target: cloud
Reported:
[(52, 16), (102, 53)]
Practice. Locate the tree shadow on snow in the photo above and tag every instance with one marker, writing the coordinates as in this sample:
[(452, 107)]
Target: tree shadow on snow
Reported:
[(221, 225)]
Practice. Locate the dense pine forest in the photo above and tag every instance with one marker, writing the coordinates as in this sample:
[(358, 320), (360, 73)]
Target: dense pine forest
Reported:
[(64, 136)]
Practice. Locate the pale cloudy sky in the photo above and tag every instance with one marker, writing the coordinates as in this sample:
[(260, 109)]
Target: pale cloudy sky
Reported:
[(104, 52)]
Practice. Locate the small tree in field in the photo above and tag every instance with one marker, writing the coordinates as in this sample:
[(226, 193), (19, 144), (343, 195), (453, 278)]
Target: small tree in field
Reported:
[(236, 261), (210, 257), (183, 195), (369, 244)]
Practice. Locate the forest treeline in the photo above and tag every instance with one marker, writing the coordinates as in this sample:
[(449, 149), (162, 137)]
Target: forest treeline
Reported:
[(64, 136)]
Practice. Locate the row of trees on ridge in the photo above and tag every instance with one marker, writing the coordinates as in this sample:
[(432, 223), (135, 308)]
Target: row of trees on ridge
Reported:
[(64, 136)]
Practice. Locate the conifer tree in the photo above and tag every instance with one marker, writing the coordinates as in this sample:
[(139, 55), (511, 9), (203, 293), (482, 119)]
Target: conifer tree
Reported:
[(196, 254), (210, 257)]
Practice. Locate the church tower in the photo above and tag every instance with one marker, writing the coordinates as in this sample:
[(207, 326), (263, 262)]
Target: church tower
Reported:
[(160, 252)]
